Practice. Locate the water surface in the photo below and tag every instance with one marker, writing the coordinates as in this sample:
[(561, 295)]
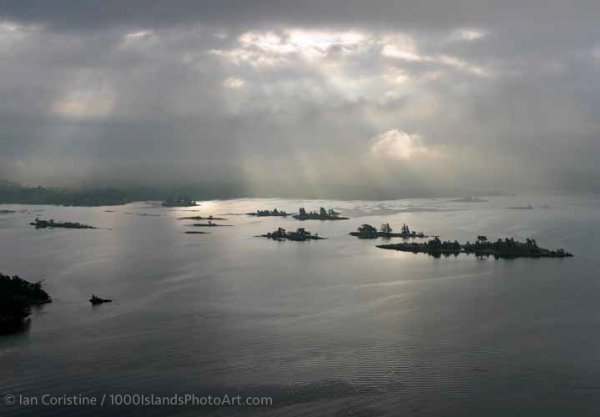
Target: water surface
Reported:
[(331, 327)]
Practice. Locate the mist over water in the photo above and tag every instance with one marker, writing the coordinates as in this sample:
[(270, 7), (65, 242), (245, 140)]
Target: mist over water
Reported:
[(330, 327)]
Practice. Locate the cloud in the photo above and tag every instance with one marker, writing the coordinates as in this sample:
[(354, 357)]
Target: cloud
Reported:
[(468, 34), (595, 54), (404, 48), (84, 104), (270, 48), (399, 145), (204, 89), (234, 83)]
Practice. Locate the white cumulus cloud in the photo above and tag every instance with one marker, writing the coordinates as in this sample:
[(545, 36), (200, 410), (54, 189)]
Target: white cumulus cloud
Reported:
[(400, 145), (234, 83)]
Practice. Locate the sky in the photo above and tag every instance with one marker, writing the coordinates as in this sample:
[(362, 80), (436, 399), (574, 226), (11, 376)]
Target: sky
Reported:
[(306, 98)]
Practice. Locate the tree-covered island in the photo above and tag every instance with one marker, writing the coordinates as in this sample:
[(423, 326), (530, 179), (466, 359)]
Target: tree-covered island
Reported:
[(299, 235), (210, 218), (507, 248), (322, 214), (16, 298), (366, 231), (269, 213), (209, 224), (51, 224)]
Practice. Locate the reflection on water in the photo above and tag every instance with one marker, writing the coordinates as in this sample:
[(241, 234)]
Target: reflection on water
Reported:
[(332, 327)]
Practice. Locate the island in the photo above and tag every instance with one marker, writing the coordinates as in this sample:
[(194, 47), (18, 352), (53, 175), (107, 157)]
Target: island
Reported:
[(269, 213), (209, 224), (196, 232), (469, 199), (507, 248), (322, 214), (7, 211), (366, 231), (299, 235), (179, 202), (97, 300), (527, 207), (202, 218), (16, 298), (51, 224)]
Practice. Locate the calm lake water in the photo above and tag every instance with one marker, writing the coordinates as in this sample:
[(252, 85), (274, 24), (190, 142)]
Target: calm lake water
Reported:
[(334, 327)]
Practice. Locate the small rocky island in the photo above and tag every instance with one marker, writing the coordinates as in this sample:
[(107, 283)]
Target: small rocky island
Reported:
[(469, 199), (209, 224), (527, 207), (51, 224), (16, 298), (507, 248), (322, 214), (179, 202), (211, 218), (366, 231), (97, 300), (269, 213), (299, 235)]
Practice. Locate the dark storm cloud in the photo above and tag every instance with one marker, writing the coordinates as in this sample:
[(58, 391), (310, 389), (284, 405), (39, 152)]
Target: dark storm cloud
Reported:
[(426, 14), (456, 95)]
